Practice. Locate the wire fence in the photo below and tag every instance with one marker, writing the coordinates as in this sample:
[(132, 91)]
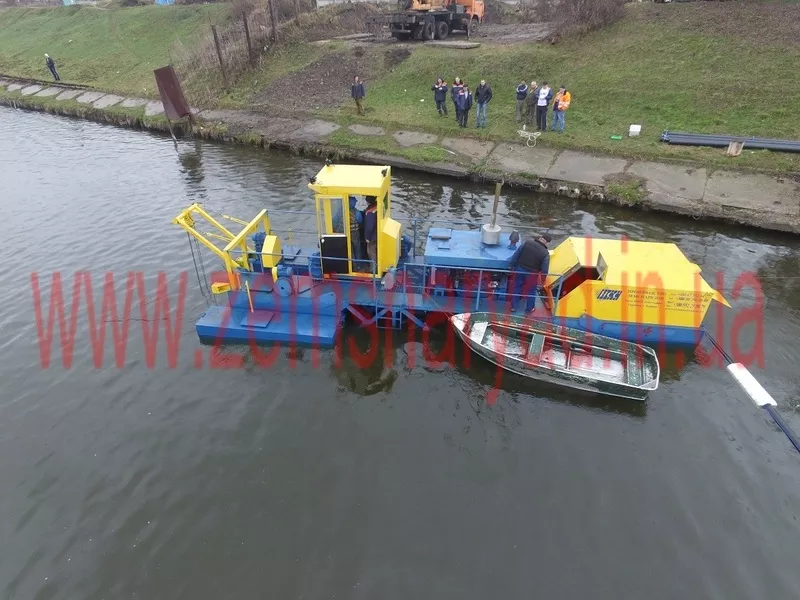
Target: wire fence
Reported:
[(227, 51)]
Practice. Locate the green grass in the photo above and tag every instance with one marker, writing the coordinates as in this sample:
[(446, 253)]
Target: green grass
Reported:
[(628, 192), (656, 74), (678, 67), (114, 50)]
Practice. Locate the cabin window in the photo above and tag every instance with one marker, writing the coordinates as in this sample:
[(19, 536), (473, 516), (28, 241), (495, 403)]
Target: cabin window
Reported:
[(385, 202), (337, 215)]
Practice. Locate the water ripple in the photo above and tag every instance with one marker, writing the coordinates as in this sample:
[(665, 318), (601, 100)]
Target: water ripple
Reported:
[(322, 478)]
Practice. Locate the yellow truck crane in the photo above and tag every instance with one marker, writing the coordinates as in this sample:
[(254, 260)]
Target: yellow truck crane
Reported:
[(432, 19)]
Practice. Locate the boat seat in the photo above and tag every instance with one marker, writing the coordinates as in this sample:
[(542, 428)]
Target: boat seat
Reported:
[(634, 369), (536, 346)]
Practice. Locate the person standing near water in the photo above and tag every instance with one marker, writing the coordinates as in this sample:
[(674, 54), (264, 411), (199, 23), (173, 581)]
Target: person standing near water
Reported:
[(52, 66), (522, 94), (455, 90), (358, 93), (440, 96), (483, 94), (560, 106), (464, 104), (543, 96)]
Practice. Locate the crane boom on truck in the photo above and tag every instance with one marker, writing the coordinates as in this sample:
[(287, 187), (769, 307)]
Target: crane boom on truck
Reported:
[(432, 19)]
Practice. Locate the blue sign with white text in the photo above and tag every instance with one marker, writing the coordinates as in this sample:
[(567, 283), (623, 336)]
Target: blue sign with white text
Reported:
[(606, 294)]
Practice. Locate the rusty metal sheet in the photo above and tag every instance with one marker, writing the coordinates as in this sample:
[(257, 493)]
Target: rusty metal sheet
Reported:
[(169, 87)]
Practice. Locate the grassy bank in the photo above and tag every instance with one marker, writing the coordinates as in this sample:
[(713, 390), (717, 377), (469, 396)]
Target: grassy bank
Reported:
[(691, 67), (681, 66), (114, 49), (650, 69)]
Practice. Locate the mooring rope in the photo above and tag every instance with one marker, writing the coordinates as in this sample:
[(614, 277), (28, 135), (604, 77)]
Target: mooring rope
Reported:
[(203, 285)]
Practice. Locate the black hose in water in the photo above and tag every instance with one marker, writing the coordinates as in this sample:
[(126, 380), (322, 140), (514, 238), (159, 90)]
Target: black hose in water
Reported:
[(773, 412)]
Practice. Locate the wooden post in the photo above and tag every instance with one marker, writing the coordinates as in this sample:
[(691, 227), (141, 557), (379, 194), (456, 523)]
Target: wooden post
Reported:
[(247, 35), (274, 20), (296, 9), (219, 55)]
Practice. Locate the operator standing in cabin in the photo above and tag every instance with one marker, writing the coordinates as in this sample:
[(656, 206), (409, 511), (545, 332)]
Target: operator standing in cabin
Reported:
[(358, 93), (52, 66), (530, 263), (356, 219), (371, 229)]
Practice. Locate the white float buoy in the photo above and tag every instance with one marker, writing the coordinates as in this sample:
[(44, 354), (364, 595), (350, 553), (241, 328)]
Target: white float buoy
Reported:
[(750, 385)]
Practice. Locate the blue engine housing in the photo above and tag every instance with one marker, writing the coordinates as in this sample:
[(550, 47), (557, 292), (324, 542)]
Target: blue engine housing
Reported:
[(315, 265)]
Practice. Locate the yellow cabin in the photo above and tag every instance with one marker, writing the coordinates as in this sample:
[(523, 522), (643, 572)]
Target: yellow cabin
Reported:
[(345, 195)]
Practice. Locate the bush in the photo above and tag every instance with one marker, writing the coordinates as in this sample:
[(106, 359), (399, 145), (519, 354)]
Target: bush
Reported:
[(580, 16)]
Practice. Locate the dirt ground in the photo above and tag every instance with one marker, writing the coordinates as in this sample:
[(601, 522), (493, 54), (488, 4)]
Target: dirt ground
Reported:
[(769, 21), (328, 22), (326, 82), (513, 33)]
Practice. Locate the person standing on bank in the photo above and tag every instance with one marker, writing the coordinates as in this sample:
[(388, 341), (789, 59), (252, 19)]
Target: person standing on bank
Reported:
[(543, 97), (522, 93), (52, 66), (560, 106), (464, 104), (483, 94), (458, 85), (530, 266), (440, 96), (358, 93), (371, 230), (530, 103)]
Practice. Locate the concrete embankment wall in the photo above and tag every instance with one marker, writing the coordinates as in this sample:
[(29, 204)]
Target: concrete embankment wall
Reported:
[(754, 199)]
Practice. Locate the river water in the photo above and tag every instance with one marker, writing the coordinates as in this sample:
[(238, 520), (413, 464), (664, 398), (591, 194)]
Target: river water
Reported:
[(315, 478)]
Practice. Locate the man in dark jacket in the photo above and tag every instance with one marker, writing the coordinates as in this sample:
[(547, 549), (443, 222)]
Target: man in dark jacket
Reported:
[(483, 94), (371, 228), (455, 89), (530, 265), (358, 93), (52, 66), (440, 96), (530, 103), (522, 93), (464, 103)]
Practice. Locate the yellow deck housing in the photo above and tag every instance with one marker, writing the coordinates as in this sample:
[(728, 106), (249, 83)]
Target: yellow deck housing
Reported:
[(628, 282)]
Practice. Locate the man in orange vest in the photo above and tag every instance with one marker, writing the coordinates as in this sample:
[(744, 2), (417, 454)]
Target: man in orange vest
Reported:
[(560, 106)]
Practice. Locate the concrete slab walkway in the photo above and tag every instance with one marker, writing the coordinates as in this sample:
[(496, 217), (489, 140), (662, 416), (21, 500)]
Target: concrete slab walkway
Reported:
[(766, 201)]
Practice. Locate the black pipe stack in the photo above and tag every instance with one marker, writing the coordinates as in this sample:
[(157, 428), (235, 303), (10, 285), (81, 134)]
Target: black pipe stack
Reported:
[(679, 138)]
